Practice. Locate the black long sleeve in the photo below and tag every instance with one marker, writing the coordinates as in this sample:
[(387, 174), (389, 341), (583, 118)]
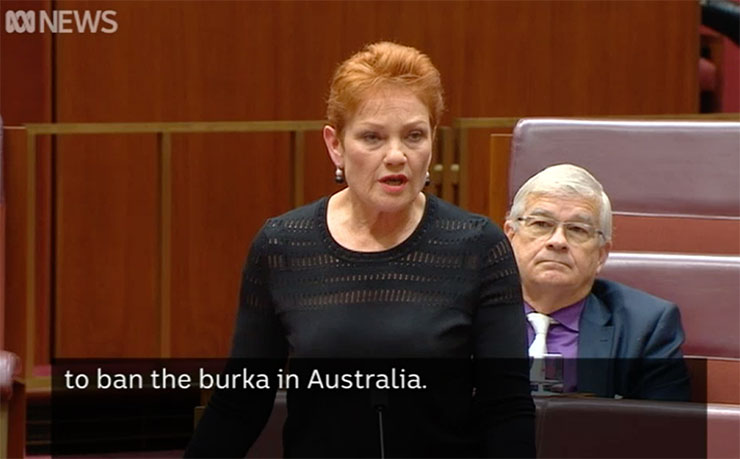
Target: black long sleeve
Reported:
[(449, 294)]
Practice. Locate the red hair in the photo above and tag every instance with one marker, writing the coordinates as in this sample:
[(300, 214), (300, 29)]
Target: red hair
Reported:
[(383, 64)]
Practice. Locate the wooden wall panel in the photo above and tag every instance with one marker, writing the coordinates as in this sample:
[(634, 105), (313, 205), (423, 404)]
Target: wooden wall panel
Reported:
[(2, 268), (224, 187), (26, 96), (44, 257), (574, 58), (14, 171), (32, 345), (25, 69), (214, 61), (107, 247), (260, 60)]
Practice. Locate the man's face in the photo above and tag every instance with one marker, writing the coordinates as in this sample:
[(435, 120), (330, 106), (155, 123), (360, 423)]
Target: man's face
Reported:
[(558, 260)]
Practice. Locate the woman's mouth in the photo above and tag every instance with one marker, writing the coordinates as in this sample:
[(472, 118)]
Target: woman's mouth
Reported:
[(394, 183)]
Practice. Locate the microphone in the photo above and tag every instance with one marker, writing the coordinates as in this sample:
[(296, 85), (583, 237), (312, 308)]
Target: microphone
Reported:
[(379, 402)]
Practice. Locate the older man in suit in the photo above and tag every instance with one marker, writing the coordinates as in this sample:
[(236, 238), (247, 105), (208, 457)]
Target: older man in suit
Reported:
[(627, 342)]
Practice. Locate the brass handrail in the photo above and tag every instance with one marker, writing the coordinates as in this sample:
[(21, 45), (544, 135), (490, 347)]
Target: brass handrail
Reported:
[(181, 127)]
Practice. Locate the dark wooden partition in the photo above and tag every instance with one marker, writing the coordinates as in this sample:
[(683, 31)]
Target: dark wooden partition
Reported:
[(227, 61)]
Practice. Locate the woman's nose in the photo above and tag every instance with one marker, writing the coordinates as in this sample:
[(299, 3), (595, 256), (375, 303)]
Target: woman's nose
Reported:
[(395, 153)]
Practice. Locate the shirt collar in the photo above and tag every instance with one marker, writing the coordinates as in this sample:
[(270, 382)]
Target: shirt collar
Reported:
[(569, 316)]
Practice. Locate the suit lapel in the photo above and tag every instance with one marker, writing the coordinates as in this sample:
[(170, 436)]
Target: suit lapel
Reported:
[(595, 349)]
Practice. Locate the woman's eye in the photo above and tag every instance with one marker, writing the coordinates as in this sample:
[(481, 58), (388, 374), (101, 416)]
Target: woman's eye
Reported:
[(370, 137), (416, 136)]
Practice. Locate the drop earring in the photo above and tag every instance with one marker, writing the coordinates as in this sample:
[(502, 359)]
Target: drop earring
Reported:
[(428, 179), (339, 175)]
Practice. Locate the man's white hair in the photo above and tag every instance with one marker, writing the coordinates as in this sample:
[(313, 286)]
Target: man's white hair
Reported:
[(565, 181)]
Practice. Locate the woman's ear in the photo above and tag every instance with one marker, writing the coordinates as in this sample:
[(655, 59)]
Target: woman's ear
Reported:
[(334, 146)]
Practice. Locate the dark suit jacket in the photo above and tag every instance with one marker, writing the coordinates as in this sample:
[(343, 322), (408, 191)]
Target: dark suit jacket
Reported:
[(629, 345)]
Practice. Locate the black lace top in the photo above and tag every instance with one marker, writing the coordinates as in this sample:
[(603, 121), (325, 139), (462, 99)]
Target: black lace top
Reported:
[(450, 292)]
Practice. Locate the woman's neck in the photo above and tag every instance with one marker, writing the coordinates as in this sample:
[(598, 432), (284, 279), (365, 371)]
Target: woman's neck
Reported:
[(358, 227)]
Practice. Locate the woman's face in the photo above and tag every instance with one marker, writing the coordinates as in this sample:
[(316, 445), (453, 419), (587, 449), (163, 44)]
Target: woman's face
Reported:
[(385, 149)]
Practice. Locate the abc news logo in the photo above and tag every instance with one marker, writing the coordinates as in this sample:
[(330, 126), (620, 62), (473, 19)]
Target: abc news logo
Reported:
[(61, 21)]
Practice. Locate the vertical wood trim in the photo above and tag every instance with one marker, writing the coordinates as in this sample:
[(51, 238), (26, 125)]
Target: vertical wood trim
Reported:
[(57, 204), (14, 165), (3, 429), (436, 167), (298, 157), (498, 179), (462, 159), (448, 157), (164, 141), (30, 251), (16, 434), (2, 267)]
